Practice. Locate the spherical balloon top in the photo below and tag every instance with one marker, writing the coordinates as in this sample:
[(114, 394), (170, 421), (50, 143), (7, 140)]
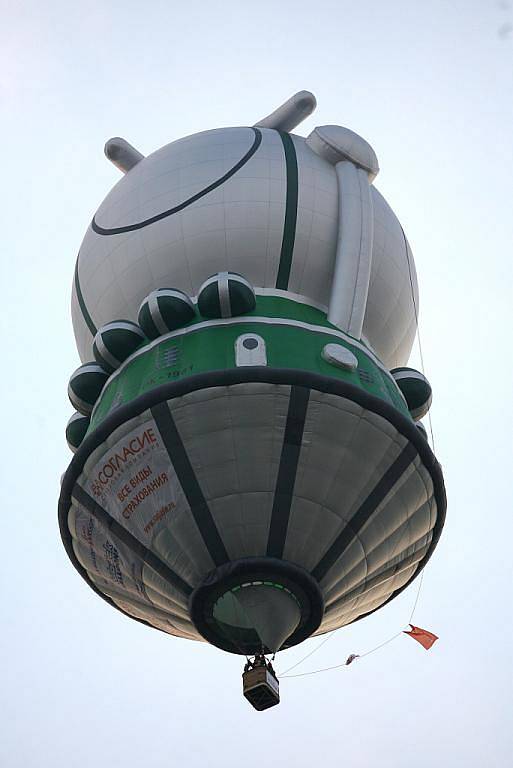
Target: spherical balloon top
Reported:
[(253, 200)]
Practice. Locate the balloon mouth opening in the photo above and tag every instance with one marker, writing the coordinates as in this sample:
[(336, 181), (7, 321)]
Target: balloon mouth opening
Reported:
[(257, 605), (258, 612)]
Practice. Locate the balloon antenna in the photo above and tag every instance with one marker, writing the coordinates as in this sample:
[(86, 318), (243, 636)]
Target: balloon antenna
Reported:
[(291, 113), (122, 154)]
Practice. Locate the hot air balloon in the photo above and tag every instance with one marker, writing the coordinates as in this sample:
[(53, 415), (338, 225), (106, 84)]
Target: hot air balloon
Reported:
[(250, 470)]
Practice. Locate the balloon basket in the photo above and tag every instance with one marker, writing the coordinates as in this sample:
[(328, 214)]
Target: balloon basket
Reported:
[(260, 684)]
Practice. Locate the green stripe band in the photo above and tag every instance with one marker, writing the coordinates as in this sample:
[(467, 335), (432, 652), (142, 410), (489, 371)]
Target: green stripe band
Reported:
[(289, 226)]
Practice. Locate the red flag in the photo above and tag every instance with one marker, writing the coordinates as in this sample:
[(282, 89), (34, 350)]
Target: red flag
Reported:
[(422, 636)]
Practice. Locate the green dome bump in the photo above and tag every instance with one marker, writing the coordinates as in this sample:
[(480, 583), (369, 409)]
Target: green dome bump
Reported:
[(85, 385), (116, 341), (165, 310), (226, 294), (76, 429), (416, 390)]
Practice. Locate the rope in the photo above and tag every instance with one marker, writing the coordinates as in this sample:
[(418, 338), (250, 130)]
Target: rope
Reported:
[(313, 672), (285, 675), (417, 328), (417, 597), (339, 666), (314, 650)]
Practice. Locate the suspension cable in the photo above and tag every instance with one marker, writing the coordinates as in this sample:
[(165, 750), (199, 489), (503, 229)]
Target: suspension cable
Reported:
[(417, 329), (345, 664), (285, 675), (314, 650)]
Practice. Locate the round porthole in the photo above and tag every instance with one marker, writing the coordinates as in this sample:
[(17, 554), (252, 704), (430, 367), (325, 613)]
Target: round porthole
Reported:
[(250, 343), (250, 350), (336, 354)]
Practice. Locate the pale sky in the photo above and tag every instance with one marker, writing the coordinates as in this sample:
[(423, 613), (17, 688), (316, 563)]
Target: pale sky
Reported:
[(430, 86)]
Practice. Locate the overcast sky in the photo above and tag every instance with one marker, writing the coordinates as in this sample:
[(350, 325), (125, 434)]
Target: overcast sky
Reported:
[(430, 86)]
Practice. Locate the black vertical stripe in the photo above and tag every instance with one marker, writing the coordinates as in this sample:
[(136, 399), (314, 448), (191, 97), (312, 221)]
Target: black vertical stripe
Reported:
[(287, 470), (145, 554), (81, 303), (289, 226), (369, 506), (187, 479)]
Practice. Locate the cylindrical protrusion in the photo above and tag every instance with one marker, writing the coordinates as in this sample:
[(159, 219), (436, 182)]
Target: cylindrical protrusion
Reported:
[(353, 260), (122, 154), (291, 113)]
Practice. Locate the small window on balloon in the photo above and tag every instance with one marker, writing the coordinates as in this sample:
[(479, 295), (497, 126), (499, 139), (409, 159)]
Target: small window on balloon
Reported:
[(250, 350)]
